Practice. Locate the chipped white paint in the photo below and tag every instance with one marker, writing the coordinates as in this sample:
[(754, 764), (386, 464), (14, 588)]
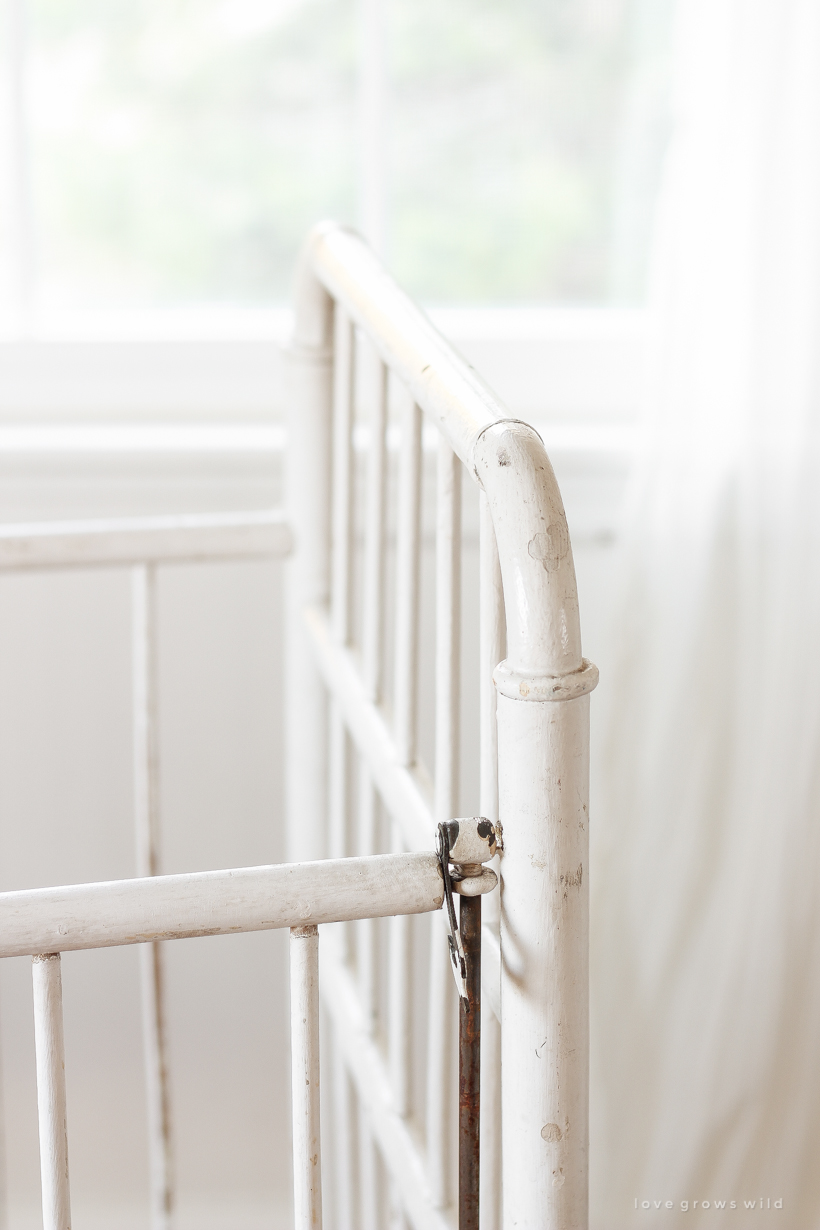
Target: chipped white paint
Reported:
[(537, 980), (298, 896), (118, 912), (143, 542), (542, 719)]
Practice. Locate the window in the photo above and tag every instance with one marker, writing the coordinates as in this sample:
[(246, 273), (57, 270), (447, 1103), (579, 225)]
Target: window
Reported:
[(175, 151)]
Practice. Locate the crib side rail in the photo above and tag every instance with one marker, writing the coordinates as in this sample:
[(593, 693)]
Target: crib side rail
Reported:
[(45, 922), (172, 907), (144, 545)]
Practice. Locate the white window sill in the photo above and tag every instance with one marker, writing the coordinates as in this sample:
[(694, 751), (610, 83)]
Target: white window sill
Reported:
[(558, 365)]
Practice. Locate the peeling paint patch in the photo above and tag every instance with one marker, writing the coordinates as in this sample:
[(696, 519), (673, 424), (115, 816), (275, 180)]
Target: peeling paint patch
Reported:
[(550, 546), (574, 881), (551, 1132)]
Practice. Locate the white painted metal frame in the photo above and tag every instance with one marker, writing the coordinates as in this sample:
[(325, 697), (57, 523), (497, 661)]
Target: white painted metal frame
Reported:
[(44, 922), (534, 745), (143, 543), (534, 769)]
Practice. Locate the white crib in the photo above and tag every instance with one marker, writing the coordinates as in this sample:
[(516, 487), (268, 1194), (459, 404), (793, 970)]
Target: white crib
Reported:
[(375, 395)]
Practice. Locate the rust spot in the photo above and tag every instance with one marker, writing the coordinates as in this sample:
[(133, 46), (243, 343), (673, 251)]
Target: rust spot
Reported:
[(503, 458)]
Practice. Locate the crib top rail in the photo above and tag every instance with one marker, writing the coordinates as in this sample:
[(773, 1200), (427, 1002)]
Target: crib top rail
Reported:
[(506, 457)]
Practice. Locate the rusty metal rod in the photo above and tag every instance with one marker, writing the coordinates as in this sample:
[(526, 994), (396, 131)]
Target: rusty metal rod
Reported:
[(469, 1066)]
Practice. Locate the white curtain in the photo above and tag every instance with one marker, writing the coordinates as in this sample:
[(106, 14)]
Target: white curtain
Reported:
[(706, 871)]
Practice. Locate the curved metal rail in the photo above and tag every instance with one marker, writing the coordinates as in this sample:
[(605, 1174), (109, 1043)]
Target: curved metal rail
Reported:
[(537, 711)]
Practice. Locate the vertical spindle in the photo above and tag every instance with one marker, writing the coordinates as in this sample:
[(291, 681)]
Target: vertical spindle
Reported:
[(51, 1101), (398, 993), (375, 538), (491, 652), (342, 523), (369, 1193), (304, 1043), (146, 817), (408, 553), (440, 1093), (343, 1133)]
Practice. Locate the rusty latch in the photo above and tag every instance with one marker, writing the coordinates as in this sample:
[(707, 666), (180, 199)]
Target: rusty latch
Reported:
[(462, 846)]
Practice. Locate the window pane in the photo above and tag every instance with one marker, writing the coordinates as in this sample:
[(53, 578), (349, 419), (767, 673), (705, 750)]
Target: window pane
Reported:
[(178, 150), (507, 120), (181, 147)]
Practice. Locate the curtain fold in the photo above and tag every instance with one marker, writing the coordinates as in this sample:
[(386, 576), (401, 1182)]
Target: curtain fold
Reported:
[(706, 855)]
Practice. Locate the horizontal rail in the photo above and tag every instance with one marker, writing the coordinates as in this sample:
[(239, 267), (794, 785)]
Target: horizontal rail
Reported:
[(442, 383), (134, 540), (175, 907)]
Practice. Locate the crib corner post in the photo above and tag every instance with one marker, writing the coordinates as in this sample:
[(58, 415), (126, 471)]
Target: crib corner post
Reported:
[(543, 807), (542, 718), (307, 497)]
